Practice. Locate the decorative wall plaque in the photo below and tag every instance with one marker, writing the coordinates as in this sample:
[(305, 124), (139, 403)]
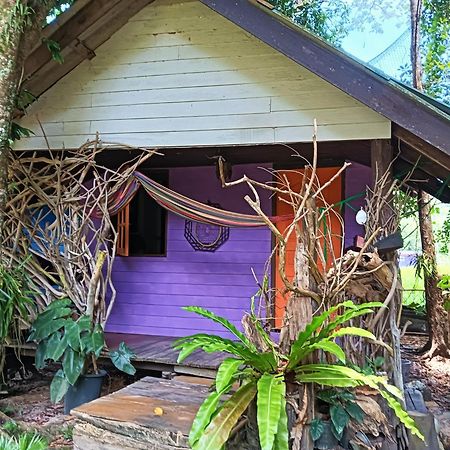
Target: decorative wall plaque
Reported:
[(204, 237)]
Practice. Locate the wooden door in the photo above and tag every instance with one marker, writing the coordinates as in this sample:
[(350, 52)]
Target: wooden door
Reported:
[(332, 195)]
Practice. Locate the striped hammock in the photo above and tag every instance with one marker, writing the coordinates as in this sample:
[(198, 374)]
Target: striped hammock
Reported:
[(184, 206)]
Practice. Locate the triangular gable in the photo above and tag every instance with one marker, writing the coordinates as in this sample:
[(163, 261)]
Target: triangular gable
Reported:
[(178, 74)]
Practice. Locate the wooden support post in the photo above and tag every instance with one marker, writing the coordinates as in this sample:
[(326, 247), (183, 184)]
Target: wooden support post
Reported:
[(381, 158)]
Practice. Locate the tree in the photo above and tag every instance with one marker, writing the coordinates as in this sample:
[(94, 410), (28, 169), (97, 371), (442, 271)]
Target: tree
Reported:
[(438, 344), (327, 19), (439, 339), (435, 48)]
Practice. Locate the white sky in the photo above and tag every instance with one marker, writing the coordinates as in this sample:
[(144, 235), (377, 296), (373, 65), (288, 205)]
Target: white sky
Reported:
[(367, 44)]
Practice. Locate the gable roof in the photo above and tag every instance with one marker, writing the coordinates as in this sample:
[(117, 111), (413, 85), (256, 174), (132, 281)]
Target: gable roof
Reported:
[(421, 124)]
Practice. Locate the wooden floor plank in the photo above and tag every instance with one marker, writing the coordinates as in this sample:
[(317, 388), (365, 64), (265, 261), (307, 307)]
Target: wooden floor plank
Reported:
[(159, 349), (177, 401), (153, 349)]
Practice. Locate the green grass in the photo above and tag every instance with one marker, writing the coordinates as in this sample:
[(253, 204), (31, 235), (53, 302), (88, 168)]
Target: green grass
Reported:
[(411, 297)]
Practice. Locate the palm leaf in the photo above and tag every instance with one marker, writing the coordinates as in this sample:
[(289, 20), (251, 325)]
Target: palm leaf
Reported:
[(297, 348), (227, 370), (224, 322), (219, 429), (271, 391), (330, 347), (353, 331), (281, 441), (210, 344), (203, 416), (325, 378), (402, 415)]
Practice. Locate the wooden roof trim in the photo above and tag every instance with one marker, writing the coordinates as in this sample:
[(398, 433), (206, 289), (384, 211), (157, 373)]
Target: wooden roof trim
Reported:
[(338, 69), (422, 147), (80, 31)]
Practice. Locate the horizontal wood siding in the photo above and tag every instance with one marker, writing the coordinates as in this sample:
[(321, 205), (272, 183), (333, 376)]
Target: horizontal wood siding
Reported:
[(178, 74), (152, 290)]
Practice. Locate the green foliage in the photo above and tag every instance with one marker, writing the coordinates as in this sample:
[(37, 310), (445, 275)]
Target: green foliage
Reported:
[(16, 19), (425, 266), (435, 30), (26, 441), (15, 304), (271, 391), (121, 358), (265, 373), (55, 50), (444, 284), (217, 432), (443, 236), (327, 19), (317, 428), (342, 408), (73, 341)]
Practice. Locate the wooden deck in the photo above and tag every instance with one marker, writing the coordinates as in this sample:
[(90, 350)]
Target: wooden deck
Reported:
[(156, 353), (151, 414)]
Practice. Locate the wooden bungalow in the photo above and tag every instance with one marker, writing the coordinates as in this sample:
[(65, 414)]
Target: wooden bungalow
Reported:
[(199, 79)]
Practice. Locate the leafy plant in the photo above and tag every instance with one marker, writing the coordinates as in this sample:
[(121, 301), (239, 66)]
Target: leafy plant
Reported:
[(341, 409), (444, 284), (55, 49), (263, 375), (15, 303), (74, 341), (26, 441)]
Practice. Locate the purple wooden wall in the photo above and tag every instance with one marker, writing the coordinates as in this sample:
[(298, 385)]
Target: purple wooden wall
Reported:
[(152, 290), (357, 177)]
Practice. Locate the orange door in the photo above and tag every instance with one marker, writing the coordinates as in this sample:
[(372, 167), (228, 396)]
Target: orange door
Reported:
[(332, 195)]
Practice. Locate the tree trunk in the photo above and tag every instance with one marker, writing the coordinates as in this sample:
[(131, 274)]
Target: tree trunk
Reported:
[(438, 324), (436, 313), (298, 314), (9, 80), (416, 64)]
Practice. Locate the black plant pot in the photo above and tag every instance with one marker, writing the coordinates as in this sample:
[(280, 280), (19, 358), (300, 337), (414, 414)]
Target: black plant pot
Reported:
[(86, 389)]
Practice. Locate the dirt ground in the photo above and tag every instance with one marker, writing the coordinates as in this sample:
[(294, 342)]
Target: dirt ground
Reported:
[(435, 373), (27, 403), (435, 376)]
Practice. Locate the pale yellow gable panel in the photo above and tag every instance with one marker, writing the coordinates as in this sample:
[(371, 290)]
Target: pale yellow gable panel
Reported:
[(180, 75)]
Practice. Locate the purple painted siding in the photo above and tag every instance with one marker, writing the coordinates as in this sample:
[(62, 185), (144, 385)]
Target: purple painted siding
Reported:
[(357, 177), (152, 290)]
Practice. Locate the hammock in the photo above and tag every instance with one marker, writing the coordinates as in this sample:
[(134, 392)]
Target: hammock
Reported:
[(184, 206)]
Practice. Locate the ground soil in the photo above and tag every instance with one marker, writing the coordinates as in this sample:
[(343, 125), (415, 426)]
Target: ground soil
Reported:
[(26, 400), (435, 375)]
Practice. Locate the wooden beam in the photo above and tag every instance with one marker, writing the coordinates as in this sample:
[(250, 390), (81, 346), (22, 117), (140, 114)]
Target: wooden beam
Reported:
[(421, 180), (67, 31), (343, 72), (429, 151)]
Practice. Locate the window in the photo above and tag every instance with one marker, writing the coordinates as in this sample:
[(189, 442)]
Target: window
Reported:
[(141, 225)]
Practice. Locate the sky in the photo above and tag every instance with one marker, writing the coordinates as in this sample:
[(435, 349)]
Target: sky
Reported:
[(391, 19), (367, 44)]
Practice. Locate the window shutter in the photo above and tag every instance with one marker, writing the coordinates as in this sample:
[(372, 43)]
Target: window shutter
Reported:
[(123, 231)]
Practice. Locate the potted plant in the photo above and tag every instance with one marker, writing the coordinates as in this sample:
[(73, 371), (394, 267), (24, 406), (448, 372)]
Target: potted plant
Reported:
[(337, 407), (267, 375), (73, 340)]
